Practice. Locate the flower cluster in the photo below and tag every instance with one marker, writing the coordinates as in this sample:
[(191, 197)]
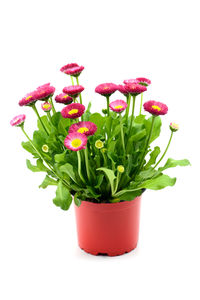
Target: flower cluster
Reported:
[(72, 69), (43, 92), (95, 157)]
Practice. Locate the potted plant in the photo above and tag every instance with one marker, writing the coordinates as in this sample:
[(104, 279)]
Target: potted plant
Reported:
[(102, 161)]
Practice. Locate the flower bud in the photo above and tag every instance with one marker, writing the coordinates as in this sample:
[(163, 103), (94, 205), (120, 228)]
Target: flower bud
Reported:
[(120, 169), (45, 148), (99, 144), (174, 127)]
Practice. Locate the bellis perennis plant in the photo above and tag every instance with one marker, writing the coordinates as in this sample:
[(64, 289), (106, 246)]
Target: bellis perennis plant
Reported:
[(95, 157)]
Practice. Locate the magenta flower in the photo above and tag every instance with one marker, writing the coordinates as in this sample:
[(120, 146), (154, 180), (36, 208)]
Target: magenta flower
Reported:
[(106, 89), (122, 89), (18, 120), (128, 81), (87, 128), (44, 91), (29, 99), (73, 111), (143, 81), (46, 106), (118, 105), (63, 98), (155, 108), (75, 141), (67, 67), (73, 90), (135, 88), (75, 71)]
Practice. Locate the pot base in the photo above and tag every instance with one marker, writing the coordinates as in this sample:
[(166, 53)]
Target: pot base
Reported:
[(110, 253)]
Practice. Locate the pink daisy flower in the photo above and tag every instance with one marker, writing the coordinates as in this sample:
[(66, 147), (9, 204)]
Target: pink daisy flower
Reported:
[(122, 89), (75, 71), (28, 99), (118, 105), (73, 90), (143, 81), (73, 111), (106, 89), (135, 88), (127, 81), (45, 91), (68, 66), (63, 98), (87, 128), (75, 141), (46, 106), (18, 120), (155, 108)]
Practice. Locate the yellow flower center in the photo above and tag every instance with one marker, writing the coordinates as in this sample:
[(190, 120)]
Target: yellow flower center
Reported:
[(106, 87), (118, 106), (156, 107), (29, 97), (73, 111), (76, 143), (65, 96), (82, 130), (46, 105)]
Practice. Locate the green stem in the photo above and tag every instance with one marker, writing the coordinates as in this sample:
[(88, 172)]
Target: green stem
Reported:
[(122, 134), (128, 98), (72, 80), (104, 157), (87, 163), (147, 144), (132, 117), (49, 117), (108, 102), (80, 96), (141, 101), (79, 167), (117, 182), (53, 108), (164, 151), (36, 111)]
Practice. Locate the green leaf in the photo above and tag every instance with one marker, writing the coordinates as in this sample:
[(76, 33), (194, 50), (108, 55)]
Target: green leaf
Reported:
[(56, 118), (27, 146), (77, 201), (129, 195), (68, 169), (146, 174), (99, 121), (171, 163), (46, 124), (60, 157), (139, 119), (86, 115), (110, 175), (39, 139), (62, 124), (153, 156), (135, 138), (158, 183), (40, 167), (48, 181), (63, 197), (156, 127)]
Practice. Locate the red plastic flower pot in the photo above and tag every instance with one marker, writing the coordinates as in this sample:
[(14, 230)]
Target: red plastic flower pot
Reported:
[(108, 228)]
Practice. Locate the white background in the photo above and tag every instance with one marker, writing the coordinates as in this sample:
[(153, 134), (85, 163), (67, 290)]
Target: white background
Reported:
[(114, 40)]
